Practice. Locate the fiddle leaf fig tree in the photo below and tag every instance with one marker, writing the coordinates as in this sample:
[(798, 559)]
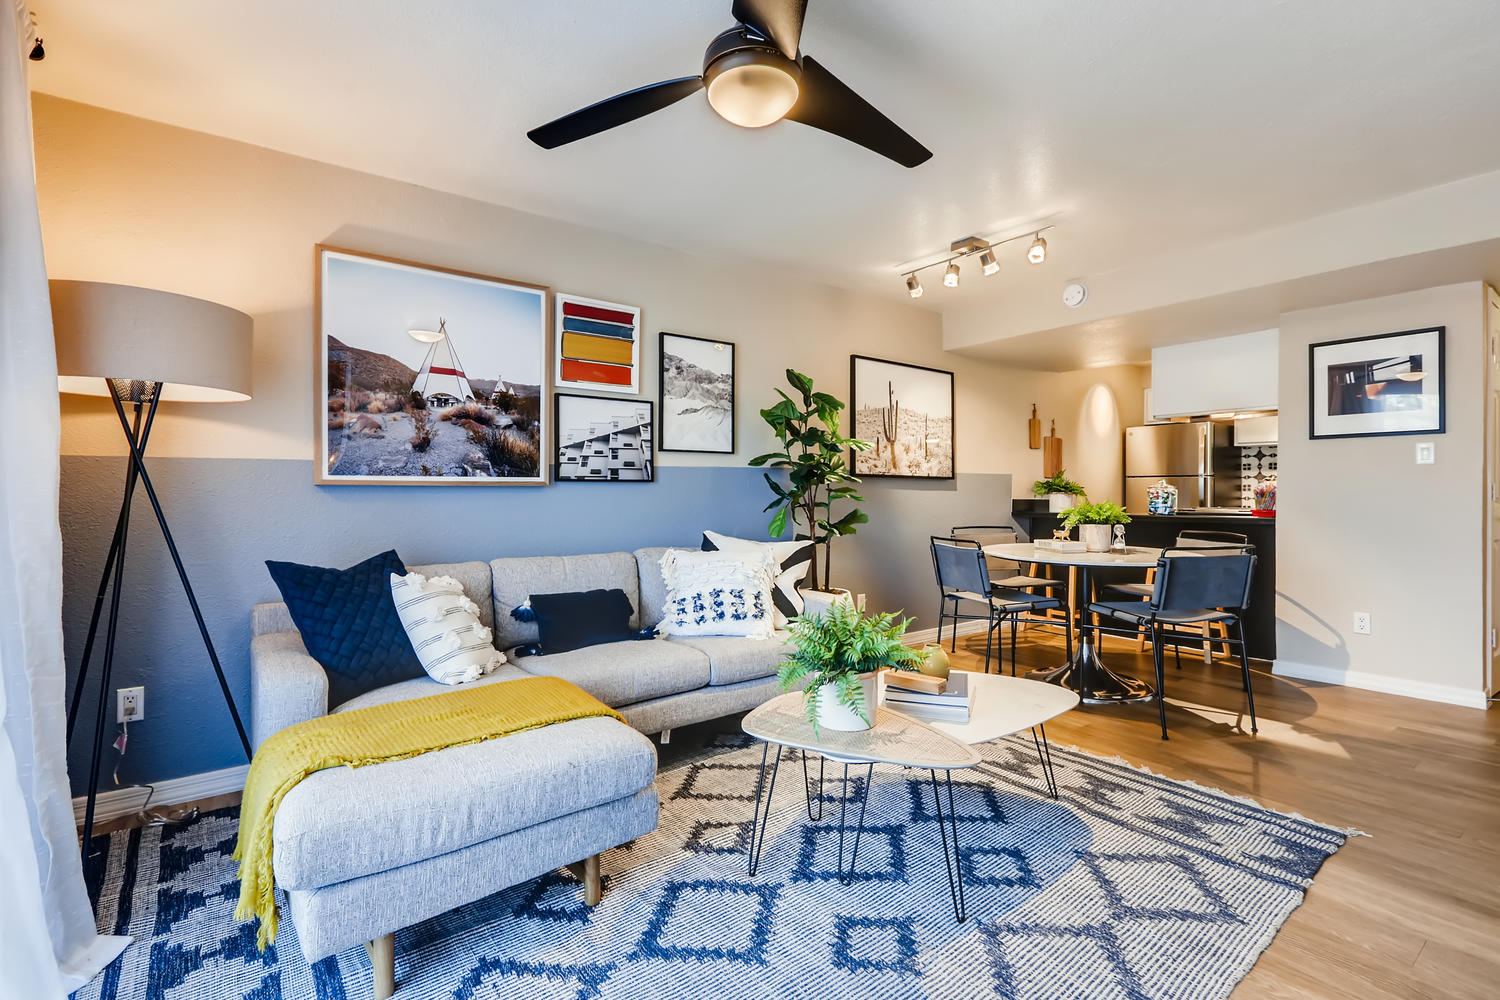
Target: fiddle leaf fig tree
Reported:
[(817, 472)]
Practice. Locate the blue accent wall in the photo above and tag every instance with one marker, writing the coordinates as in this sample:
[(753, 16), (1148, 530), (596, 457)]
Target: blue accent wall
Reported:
[(229, 516)]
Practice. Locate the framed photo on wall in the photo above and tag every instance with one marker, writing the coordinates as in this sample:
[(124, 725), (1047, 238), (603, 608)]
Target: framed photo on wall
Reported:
[(906, 413), (604, 439), (427, 375), (1387, 384), (697, 394), (598, 345)]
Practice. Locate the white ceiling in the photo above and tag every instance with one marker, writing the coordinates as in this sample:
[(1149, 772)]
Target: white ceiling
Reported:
[(1137, 127)]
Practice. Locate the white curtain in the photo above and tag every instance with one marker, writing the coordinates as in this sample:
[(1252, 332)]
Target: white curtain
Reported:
[(48, 945)]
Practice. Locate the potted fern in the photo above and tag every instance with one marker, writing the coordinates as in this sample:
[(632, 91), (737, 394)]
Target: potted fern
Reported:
[(1060, 492), (1094, 522), (837, 655)]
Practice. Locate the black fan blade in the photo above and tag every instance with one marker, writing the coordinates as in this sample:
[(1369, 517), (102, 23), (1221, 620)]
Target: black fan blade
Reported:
[(612, 111), (778, 20), (826, 103)]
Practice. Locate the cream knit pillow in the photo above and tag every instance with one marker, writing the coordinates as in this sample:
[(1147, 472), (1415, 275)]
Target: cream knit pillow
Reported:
[(718, 593), (444, 628)]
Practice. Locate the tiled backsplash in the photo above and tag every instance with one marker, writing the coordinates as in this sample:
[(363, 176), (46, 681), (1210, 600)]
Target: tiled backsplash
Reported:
[(1257, 463)]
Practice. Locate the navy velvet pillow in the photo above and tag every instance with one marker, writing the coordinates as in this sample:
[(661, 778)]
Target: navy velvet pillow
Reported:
[(349, 623), (573, 621)]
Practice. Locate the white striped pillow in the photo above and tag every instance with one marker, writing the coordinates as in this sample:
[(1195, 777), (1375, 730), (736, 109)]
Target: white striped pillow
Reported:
[(444, 628)]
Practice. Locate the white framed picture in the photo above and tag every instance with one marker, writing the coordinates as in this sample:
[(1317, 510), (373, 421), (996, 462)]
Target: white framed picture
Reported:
[(598, 345), (426, 375), (1386, 384)]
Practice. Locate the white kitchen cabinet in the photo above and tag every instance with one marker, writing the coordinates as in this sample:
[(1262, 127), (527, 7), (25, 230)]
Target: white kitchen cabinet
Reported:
[(1216, 376), (1255, 430)]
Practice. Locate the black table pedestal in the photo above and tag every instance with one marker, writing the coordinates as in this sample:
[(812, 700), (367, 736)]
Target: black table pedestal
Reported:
[(1094, 683)]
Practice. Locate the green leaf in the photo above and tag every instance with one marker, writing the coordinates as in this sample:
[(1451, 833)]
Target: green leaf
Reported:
[(778, 524)]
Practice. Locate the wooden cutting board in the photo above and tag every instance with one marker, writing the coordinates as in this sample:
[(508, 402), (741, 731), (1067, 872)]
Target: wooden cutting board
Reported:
[(1052, 455), (1034, 430)]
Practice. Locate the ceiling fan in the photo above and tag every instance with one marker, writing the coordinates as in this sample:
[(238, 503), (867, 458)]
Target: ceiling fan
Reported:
[(755, 77)]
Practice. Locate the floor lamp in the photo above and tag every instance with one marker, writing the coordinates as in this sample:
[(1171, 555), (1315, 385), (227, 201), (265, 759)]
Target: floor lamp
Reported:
[(141, 348)]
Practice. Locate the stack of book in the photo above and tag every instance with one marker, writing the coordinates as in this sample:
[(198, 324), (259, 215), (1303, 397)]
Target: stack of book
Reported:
[(930, 699)]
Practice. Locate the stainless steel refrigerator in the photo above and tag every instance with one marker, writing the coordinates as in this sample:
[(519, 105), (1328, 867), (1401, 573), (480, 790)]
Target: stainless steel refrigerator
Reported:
[(1197, 458)]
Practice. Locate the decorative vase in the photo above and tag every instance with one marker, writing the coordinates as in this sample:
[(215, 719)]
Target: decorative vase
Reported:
[(815, 602), (936, 663), (1095, 537), (1161, 498), (1059, 502), (833, 715)]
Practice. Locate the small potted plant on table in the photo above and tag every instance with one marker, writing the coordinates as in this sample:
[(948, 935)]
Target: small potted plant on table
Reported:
[(837, 655), (1060, 491), (1095, 522)]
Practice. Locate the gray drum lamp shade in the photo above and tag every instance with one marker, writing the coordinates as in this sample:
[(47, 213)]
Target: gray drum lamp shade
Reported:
[(200, 350)]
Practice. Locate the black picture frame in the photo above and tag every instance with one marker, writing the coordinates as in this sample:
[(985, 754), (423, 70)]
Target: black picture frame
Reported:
[(662, 387), (873, 462), (1318, 374), (563, 458)]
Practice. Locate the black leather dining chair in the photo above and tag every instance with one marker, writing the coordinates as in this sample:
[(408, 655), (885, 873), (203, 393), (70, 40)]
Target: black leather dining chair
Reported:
[(1194, 585), (963, 580)]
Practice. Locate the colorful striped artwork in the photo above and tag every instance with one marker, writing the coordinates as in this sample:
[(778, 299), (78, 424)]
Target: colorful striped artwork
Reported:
[(598, 345)]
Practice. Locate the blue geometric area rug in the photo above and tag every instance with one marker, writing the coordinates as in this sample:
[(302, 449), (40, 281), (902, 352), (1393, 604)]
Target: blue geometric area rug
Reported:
[(1130, 886)]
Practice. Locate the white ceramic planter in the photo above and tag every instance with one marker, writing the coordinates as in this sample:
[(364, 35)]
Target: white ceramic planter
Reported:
[(815, 602), (1059, 502), (833, 715), (1095, 537)]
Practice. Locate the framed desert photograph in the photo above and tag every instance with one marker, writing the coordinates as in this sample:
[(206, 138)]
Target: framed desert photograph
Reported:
[(598, 345), (1386, 384), (697, 394), (426, 375), (906, 413), (604, 439)]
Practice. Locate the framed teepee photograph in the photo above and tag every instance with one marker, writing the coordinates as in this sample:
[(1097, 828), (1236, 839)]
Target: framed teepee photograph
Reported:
[(426, 375)]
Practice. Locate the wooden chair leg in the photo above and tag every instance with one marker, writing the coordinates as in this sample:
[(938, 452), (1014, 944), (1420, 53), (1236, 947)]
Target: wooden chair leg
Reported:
[(382, 952), (587, 872), (1208, 646)]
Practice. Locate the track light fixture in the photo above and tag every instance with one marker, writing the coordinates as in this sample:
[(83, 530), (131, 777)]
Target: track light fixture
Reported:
[(970, 246), (1038, 251)]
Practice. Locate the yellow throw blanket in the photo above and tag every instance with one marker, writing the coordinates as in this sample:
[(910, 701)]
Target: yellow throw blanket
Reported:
[(374, 735)]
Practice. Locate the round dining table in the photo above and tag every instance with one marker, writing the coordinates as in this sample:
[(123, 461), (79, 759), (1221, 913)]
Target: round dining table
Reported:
[(1085, 674)]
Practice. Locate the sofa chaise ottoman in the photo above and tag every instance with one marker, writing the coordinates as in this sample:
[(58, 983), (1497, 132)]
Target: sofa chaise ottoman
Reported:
[(364, 852)]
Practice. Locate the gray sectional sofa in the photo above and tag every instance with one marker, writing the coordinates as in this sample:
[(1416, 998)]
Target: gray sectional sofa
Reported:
[(472, 820)]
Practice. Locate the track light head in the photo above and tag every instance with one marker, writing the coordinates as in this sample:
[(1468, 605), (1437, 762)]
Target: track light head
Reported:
[(950, 275), (988, 262), (913, 286), (1038, 251)]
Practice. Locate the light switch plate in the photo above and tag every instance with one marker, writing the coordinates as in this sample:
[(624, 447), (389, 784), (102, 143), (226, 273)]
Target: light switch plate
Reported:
[(1426, 452)]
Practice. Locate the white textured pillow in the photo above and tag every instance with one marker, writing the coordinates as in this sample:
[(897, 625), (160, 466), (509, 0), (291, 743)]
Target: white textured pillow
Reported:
[(444, 628), (717, 593), (791, 559)]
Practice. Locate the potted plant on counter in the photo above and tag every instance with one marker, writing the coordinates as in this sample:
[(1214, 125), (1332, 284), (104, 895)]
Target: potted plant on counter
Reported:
[(813, 455), (837, 655), (1095, 521), (1060, 491)]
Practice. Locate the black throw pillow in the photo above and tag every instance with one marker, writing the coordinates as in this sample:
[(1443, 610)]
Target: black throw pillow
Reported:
[(588, 618), (349, 623)]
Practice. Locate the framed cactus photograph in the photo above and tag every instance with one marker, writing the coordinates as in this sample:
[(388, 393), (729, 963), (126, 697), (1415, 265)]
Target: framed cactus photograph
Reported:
[(906, 411)]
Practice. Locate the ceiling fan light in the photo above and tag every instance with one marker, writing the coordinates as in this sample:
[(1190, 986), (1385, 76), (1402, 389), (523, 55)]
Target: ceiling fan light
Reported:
[(989, 263), (752, 88), (950, 275), (1038, 251), (913, 286)]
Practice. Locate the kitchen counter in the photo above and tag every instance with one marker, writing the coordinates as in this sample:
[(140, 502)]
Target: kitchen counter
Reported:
[(1160, 531)]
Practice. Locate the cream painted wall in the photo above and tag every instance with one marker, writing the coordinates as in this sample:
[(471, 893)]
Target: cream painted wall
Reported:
[(1361, 527), (132, 201)]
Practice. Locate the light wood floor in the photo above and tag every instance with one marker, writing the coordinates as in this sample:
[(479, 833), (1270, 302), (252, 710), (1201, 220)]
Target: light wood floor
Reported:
[(1413, 911)]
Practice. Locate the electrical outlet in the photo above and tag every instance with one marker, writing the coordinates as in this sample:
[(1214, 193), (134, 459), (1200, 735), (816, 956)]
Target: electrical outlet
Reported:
[(130, 704), (1361, 623)]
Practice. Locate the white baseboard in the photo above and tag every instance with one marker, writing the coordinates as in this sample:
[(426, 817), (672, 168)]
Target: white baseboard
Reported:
[(119, 802), (1446, 693), (922, 637)]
